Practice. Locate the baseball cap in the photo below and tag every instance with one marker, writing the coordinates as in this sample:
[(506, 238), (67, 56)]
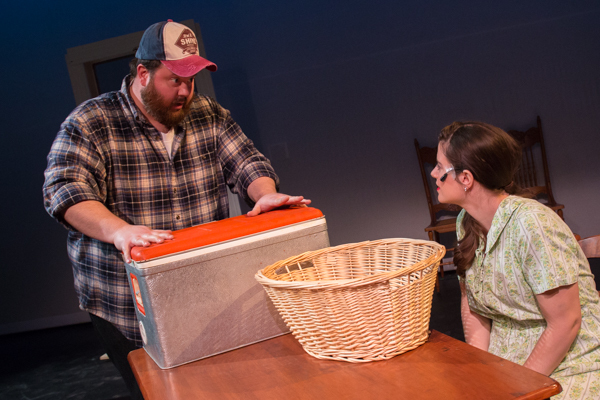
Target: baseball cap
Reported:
[(176, 47)]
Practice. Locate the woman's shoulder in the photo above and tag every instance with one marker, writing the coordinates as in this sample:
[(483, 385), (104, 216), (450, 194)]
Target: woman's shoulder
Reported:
[(527, 207), (531, 215)]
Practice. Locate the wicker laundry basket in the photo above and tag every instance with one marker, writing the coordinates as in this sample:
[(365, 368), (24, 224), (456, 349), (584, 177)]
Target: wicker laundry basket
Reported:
[(357, 302)]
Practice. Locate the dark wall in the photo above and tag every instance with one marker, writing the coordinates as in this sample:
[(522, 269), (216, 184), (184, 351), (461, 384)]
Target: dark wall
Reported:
[(334, 92)]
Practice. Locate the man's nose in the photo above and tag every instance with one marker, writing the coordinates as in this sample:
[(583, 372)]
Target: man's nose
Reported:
[(184, 90)]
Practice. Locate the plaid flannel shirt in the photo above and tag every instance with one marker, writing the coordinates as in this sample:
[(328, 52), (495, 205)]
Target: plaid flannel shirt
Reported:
[(107, 151)]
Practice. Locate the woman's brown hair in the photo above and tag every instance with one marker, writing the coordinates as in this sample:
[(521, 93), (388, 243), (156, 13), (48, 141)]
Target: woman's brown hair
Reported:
[(493, 157)]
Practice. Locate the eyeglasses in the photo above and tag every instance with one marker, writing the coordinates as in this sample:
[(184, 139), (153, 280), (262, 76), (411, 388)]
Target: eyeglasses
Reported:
[(443, 178)]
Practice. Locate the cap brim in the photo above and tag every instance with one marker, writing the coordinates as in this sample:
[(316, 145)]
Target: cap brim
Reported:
[(189, 66)]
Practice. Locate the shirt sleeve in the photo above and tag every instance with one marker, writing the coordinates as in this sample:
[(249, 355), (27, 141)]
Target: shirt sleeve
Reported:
[(75, 170), (242, 163), (548, 250)]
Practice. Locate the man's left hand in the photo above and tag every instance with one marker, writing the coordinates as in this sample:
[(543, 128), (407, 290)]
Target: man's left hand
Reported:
[(271, 201)]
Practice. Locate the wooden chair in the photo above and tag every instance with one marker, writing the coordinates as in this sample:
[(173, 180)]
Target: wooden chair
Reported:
[(533, 164), (443, 216), (591, 246), (591, 249)]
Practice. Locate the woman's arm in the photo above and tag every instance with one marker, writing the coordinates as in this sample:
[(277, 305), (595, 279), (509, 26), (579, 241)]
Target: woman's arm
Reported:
[(476, 327), (560, 307)]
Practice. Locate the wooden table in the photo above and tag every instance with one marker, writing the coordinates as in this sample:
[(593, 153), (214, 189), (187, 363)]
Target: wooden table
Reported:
[(442, 368)]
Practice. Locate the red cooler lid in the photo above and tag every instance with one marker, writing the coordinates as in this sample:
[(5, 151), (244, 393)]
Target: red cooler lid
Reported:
[(226, 229)]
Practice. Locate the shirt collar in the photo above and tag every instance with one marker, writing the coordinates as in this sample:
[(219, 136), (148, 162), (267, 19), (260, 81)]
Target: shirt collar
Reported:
[(505, 210), (137, 114)]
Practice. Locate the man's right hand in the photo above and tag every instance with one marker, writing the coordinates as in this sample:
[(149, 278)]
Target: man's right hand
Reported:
[(130, 236), (93, 219)]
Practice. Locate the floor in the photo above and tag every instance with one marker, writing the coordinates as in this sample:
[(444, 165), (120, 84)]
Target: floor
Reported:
[(64, 363), (59, 363)]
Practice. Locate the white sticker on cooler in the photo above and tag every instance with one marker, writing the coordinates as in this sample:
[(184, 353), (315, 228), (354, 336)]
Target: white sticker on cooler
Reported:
[(143, 333)]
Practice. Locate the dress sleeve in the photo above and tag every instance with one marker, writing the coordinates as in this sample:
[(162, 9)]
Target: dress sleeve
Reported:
[(549, 253), (75, 171), (242, 163)]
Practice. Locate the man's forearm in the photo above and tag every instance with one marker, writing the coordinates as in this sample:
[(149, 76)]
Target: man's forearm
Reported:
[(264, 192), (93, 219), (260, 187)]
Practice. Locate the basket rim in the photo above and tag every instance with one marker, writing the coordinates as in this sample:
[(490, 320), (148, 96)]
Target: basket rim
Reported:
[(435, 258)]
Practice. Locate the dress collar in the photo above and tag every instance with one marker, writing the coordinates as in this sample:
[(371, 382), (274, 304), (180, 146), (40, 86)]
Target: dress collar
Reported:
[(505, 210)]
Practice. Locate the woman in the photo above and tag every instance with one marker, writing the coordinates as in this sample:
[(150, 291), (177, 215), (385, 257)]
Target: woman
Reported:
[(527, 293)]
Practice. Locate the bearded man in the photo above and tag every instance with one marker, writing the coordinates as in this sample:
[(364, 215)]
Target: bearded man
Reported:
[(130, 166)]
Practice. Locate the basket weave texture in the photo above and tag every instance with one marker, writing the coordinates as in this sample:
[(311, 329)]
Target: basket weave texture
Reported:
[(357, 302)]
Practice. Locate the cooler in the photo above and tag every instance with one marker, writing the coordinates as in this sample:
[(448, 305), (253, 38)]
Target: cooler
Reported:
[(196, 295)]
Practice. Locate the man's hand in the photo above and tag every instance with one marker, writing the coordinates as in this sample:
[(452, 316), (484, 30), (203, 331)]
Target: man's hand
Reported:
[(93, 219), (271, 201), (130, 236), (264, 193)]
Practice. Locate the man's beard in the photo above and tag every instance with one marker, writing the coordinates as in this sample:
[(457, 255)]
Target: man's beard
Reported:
[(156, 105)]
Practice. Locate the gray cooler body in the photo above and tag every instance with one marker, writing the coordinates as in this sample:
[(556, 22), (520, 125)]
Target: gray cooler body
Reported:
[(205, 301)]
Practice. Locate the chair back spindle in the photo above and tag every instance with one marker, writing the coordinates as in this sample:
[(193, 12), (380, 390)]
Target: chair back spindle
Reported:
[(534, 163)]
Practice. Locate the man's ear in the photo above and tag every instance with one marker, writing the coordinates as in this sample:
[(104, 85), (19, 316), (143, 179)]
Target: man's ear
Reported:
[(466, 179), (143, 75)]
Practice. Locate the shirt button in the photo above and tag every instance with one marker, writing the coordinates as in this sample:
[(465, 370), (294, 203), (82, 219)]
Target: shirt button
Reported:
[(175, 190), (177, 217)]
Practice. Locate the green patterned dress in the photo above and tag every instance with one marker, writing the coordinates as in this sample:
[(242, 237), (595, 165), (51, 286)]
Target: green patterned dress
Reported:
[(529, 251)]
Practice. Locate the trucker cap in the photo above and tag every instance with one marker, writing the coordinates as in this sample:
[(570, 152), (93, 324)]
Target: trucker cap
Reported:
[(175, 45)]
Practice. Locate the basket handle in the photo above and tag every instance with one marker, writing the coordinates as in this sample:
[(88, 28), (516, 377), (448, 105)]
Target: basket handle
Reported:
[(304, 265)]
